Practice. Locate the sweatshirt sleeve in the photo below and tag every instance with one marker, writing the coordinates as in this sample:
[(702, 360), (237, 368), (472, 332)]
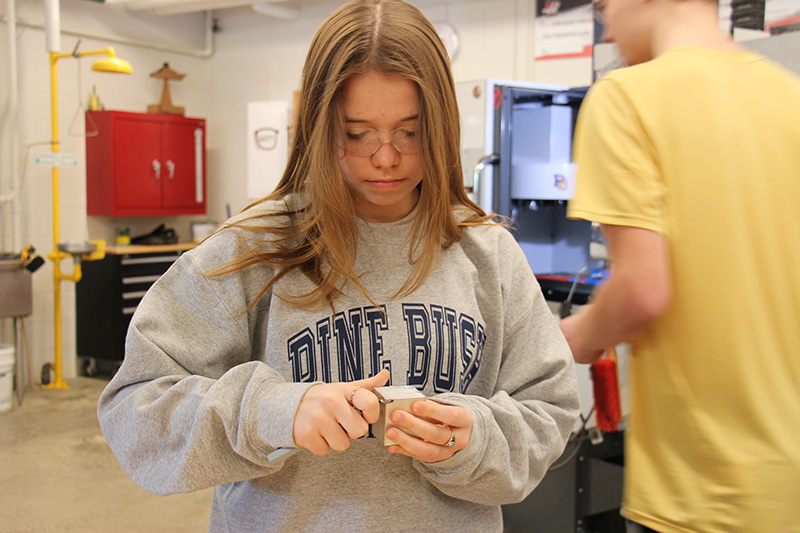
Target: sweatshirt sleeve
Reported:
[(192, 406), (522, 424)]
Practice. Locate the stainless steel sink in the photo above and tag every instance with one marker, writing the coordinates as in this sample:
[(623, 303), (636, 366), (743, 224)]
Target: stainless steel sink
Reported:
[(77, 248), (16, 289)]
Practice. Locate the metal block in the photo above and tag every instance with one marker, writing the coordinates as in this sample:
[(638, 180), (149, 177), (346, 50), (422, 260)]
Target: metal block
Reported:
[(392, 398)]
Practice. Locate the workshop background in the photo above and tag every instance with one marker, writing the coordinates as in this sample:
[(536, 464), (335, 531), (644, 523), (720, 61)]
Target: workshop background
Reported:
[(222, 76)]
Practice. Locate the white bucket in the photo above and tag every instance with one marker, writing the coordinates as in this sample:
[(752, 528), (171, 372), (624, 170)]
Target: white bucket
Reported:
[(6, 376)]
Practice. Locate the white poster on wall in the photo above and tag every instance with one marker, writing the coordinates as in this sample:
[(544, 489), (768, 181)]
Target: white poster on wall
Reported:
[(267, 145), (564, 29)]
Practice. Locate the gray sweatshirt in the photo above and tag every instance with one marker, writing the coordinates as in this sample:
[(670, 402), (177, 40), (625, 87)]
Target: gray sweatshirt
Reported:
[(206, 391)]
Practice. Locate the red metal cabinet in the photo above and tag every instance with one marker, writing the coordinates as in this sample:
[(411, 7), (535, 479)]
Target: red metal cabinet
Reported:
[(141, 164)]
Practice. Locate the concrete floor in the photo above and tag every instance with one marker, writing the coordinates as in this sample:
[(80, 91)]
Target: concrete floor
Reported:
[(58, 474)]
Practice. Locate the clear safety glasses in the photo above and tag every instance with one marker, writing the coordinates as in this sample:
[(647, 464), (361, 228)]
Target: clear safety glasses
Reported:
[(364, 142)]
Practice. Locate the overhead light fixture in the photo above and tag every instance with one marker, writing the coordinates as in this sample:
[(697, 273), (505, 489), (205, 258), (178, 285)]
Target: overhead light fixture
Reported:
[(112, 64)]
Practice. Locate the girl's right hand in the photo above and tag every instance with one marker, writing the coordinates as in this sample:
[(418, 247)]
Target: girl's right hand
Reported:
[(330, 414)]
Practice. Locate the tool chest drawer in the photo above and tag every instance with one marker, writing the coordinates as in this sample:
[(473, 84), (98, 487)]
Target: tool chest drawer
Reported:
[(105, 300)]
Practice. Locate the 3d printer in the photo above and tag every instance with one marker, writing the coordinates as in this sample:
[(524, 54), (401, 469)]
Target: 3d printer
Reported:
[(517, 157)]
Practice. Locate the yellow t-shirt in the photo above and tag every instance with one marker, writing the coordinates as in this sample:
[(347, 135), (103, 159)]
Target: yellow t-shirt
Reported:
[(703, 146)]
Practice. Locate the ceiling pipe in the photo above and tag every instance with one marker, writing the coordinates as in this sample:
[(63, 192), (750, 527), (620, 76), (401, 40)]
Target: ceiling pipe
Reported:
[(52, 25), (14, 197), (206, 52)]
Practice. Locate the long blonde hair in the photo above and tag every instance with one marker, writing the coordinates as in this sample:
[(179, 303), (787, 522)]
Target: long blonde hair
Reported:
[(390, 37)]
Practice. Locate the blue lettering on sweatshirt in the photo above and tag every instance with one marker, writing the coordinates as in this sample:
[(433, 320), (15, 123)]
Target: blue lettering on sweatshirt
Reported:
[(444, 323), (347, 330), (377, 322), (418, 329), (439, 336)]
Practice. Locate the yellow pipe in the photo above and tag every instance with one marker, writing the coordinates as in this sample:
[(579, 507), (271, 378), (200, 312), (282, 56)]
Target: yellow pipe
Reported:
[(56, 256)]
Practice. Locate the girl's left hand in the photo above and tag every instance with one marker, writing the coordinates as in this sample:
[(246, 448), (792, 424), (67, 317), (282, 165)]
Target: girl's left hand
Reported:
[(432, 424)]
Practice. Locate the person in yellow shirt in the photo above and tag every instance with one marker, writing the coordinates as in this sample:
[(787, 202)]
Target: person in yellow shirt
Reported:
[(690, 159)]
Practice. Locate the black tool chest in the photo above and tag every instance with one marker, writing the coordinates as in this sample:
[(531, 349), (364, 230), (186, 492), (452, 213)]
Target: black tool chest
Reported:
[(107, 296)]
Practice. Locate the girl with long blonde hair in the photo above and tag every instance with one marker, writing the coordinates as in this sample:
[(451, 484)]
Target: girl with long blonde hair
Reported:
[(368, 267)]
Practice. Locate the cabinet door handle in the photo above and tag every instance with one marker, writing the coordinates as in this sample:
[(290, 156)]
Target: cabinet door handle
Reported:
[(157, 168), (198, 165), (171, 168)]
